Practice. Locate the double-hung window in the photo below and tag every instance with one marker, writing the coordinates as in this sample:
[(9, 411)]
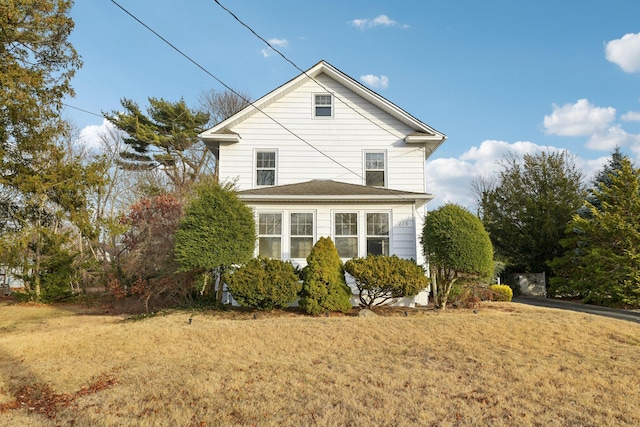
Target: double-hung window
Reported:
[(377, 233), (265, 168), (374, 169), (346, 234), (301, 234), (270, 235), (323, 105)]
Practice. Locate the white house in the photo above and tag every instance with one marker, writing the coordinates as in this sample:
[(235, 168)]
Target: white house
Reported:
[(322, 155)]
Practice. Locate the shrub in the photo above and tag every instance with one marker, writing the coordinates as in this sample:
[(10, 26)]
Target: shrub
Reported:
[(264, 283), (457, 247), (381, 279), (324, 287), (501, 292)]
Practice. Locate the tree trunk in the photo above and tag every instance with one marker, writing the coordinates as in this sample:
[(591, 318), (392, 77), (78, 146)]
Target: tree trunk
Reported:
[(434, 286)]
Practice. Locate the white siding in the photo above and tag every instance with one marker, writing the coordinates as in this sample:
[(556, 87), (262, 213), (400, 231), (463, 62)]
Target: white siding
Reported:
[(323, 148)]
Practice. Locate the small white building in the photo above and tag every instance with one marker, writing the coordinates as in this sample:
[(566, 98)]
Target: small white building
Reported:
[(322, 155)]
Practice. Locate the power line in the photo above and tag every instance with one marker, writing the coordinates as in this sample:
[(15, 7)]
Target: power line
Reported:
[(301, 70), (233, 91), (84, 111)]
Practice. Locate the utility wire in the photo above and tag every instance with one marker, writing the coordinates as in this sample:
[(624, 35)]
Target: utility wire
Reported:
[(233, 91), (301, 70), (84, 111)]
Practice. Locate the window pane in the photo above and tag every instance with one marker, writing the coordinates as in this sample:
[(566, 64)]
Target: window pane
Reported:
[(323, 100), (266, 160), (375, 161), (266, 177), (302, 224), (375, 178), (347, 246), (377, 246), (378, 224), (323, 111), (269, 247), (301, 247), (270, 224), (346, 224)]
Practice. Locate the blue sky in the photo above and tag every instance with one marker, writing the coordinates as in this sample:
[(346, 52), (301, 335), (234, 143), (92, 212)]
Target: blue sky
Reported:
[(496, 76)]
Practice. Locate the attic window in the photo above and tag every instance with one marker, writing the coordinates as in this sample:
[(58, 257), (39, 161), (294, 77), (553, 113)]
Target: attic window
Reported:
[(323, 105)]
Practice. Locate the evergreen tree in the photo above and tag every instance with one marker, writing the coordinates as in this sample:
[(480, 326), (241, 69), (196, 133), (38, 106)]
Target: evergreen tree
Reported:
[(603, 248), (216, 232), (324, 287), (527, 210), (165, 138)]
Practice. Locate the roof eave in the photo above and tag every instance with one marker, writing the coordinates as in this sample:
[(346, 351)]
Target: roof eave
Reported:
[(419, 200)]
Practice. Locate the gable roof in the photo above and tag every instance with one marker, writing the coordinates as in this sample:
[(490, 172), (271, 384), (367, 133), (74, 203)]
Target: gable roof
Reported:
[(318, 190), (423, 134)]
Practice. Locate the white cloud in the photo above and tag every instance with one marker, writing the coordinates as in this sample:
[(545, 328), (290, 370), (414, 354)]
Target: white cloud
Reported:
[(376, 82), (611, 138), (625, 52), (449, 179), (579, 119), (631, 116), (281, 43), (378, 21), (91, 136)]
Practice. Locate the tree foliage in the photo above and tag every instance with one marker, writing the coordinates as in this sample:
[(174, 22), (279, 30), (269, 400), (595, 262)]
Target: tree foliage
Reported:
[(324, 287), (528, 208), (165, 138), (150, 269), (456, 246), (382, 279), (37, 63), (265, 284), (603, 248), (216, 232)]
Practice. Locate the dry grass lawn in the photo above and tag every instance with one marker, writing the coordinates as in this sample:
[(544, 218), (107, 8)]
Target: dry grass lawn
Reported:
[(505, 365)]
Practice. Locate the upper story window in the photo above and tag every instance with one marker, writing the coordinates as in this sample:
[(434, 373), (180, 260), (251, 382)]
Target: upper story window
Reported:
[(375, 169), (265, 168), (323, 105), (270, 235)]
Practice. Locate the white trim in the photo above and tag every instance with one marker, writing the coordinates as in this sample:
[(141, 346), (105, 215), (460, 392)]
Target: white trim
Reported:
[(314, 237), (314, 105), (384, 170), (254, 179), (282, 225)]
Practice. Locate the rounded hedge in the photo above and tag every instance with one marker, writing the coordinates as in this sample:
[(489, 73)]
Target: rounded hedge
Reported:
[(264, 284)]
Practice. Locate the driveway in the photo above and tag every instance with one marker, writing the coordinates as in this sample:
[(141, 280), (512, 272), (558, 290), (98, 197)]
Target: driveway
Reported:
[(630, 315)]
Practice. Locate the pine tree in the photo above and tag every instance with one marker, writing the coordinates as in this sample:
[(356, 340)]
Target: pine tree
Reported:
[(603, 248)]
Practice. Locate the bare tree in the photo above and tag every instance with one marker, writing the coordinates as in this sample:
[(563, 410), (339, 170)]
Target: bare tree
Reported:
[(221, 105)]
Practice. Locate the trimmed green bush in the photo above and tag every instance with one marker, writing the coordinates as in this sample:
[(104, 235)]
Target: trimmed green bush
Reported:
[(501, 292), (264, 284), (324, 287), (380, 279)]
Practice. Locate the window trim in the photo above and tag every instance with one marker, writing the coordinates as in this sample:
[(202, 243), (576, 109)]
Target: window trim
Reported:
[(362, 232), (291, 235), (260, 235), (384, 169), (314, 106), (367, 235), (255, 167), (336, 236)]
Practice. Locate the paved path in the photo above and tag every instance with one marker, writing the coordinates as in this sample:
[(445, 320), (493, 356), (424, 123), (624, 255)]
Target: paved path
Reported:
[(630, 315)]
